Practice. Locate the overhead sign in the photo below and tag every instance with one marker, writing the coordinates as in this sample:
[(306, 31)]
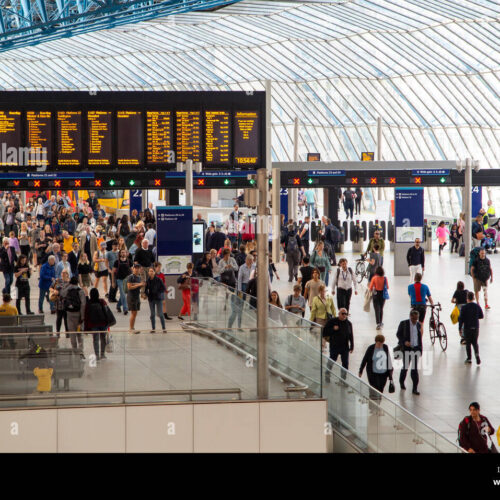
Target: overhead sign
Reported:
[(370, 156), (326, 173), (408, 213), (431, 171), (313, 157)]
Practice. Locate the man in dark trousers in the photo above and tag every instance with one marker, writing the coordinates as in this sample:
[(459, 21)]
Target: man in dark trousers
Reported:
[(339, 330), (7, 262), (93, 201), (474, 430), (410, 342), (416, 260), (470, 314), (304, 233), (293, 249)]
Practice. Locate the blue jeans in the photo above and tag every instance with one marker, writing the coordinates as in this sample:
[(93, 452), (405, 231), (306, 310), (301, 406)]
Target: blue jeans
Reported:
[(44, 293), (158, 306), (9, 278), (122, 302), (310, 210), (236, 311)]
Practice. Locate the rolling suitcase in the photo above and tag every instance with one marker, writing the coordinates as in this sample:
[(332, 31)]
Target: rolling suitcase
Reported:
[(461, 250)]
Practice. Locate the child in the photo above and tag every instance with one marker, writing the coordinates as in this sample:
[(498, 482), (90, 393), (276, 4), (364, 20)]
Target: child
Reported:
[(454, 238), (441, 232)]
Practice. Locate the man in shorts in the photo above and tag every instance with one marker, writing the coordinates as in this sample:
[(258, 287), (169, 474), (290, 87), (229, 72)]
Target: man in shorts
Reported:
[(134, 284), (419, 293), (481, 272)]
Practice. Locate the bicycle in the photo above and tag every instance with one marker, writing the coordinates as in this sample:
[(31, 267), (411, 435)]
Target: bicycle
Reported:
[(361, 269), (436, 328)]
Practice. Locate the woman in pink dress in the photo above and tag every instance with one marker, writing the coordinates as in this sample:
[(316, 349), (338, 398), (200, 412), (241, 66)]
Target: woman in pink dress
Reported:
[(441, 233)]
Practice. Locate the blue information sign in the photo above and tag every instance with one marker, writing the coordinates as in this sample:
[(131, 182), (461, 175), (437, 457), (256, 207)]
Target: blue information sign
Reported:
[(284, 202), (326, 173), (477, 199), (174, 230), (431, 171), (408, 213), (135, 200)]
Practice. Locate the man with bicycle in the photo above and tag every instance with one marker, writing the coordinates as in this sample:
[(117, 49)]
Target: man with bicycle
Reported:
[(419, 293)]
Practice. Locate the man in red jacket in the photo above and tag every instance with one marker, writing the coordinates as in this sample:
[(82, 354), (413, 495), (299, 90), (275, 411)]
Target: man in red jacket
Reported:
[(474, 430)]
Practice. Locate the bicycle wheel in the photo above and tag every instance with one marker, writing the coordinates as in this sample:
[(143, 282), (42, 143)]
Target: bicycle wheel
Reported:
[(443, 337), (432, 332), (360, 271)]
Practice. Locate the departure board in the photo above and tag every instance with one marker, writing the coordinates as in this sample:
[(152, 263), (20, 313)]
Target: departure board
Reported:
[(69, 138), (10, 137), (188, 126), (159, 138), (138, 131), (217, 137), (39, 132), (246, 137), (99, 132), (129, 137)]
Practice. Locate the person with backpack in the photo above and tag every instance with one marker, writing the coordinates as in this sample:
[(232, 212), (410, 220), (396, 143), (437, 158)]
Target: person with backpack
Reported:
[(473, 432), (295, 303), (185, 285), (460, 299), (481, 272), (469, 317), (419, 293), (74, 301), (154, 291), (96, 321), (293, 249), (304, 234), (343, 282), (348, 199), (359, 195)]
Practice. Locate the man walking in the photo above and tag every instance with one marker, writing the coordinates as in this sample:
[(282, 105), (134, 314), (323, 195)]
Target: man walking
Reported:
[(245, 273), (481, 272), (348, 198), (293, 249), (416, 260), (7, 261), (469, 317), (410, 343), (343, 281), (376, 240), (304, 234), (419, 293)]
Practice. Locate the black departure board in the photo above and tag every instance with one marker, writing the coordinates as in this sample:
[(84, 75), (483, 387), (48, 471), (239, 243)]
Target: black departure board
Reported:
[(217, 137), (39, 133), (188, 126), (129, 136), (10, 139), (99, 138), (144, 131), (159, 138), (246, 138), (69, 138)]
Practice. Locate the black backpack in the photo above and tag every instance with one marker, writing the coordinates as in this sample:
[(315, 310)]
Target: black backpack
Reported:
[(292, 246), (347, 195), (482, 269), (72, 301)]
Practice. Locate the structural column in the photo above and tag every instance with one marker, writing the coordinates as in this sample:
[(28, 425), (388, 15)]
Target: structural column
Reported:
[(275, 221), (467, 210)]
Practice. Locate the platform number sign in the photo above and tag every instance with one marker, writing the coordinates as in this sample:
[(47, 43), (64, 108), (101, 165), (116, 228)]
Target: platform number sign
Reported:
[(136, 200)]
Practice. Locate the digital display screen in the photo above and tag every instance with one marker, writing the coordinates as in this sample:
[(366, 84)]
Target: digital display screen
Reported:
[(246, 138), (129, 137), (159, 138), (39, 132), (131, 130), (99, 138), (198, 237), (69, 138), (217, 137), (10, 135), (188, 126)]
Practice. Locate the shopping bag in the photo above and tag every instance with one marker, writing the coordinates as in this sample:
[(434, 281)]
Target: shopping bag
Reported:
[(455, 314), (110, 343), (368, 299)]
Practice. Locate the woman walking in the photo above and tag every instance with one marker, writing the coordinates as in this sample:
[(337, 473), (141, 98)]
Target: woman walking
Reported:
[(101, 267), (22, 273), (122, 270), (312, 287), (377, 285), (322, 307), (321, 260), (185, 286), (96, 322), (276, 312), (460, 299), (442, 232), (84, 271), (378, 366)]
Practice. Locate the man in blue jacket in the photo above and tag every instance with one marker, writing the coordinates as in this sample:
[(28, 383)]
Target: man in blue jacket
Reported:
[(47, 277)]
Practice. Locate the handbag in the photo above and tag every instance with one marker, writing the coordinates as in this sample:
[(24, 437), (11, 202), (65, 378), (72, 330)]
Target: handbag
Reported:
[(385, 291), (455, 314), (328, 315), (392, 389), (110, 317), (368, 299)]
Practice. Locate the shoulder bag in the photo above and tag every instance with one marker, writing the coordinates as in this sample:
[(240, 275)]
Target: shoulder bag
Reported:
[(385, 292)]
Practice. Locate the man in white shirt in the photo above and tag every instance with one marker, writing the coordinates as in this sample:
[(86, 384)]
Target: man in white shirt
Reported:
[(344, 280), (245, 273), (150, 235)]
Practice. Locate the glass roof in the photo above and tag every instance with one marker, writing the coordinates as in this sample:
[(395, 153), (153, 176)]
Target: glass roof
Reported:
[(429, 68)]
